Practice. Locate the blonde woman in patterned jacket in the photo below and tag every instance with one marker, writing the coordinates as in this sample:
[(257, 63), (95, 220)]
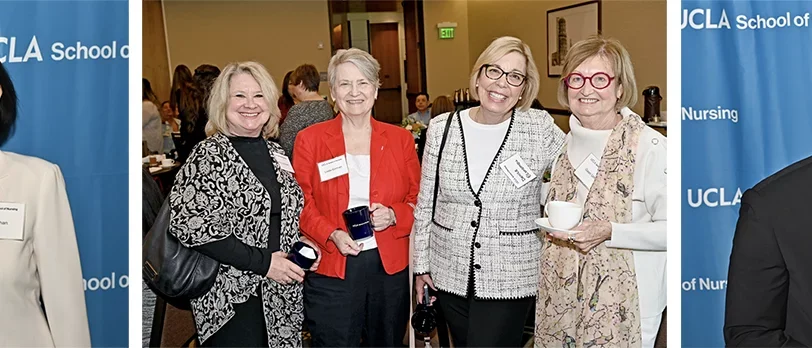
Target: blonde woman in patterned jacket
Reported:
[(236, 201), (479, 246), (605, 285)]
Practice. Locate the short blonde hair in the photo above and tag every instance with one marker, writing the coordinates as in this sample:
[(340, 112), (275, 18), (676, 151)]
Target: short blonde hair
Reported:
[(218, 100), (615, 54), (364, 61), (500, 48)]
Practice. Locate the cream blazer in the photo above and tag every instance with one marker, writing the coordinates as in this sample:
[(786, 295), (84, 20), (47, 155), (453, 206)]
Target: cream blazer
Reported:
[(44, 265)]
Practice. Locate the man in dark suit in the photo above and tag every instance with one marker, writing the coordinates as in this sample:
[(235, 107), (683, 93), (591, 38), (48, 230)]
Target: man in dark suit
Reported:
[(769, 293)]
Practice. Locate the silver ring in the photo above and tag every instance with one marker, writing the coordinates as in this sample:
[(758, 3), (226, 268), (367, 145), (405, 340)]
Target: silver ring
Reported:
[(571, 240)]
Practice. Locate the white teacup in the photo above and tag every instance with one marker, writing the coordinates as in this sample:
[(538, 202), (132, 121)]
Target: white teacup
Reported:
[(563, 215), (167, 162)]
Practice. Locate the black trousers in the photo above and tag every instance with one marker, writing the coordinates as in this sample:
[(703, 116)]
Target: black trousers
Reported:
[(368, 304), (484, 323), (245, 329)]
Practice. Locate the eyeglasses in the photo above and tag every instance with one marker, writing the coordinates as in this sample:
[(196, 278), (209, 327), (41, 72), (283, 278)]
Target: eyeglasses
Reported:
[(599, 80), (493, 72)]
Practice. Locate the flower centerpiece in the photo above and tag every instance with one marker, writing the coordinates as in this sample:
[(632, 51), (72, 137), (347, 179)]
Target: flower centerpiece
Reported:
[(413, 126)]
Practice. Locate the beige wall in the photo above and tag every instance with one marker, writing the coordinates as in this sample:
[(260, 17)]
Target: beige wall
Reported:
[(447, 67), (154, 63), (639, 25), (279, 34)]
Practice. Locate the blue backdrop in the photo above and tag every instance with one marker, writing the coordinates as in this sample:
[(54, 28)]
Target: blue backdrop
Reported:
[(746, 113), (68, 61)]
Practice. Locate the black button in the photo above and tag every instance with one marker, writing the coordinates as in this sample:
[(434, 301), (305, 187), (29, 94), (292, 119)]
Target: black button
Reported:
[(473, 224), (477, 266), (477, 203), (477, 245)]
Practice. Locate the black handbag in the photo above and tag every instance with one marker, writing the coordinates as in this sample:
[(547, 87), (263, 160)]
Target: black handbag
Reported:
[(440, 158), (174, 272)]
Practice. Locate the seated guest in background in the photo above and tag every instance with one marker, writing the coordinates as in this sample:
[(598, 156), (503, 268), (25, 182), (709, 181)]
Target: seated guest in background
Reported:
[(479, 244), (43, 300), (151, 128), (770, 276), (286, 100), (362, 286), (615, 265), (440, 105), (236, 201), (170, 124), (423, 113), (310, 109)]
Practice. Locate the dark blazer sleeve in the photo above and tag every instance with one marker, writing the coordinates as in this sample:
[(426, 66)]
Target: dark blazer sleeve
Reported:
[(758, 281), (421, 144)]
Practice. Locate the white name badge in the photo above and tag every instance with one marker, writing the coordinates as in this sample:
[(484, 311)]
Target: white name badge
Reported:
[(12, 217), (517, 170), (587, 171), (333, 168), (284, 162)]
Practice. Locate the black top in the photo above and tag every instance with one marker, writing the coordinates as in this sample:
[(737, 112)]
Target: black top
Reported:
[(769, 280), (254, 152)]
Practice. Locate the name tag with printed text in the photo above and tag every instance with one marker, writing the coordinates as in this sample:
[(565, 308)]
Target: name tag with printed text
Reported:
[(12, 219), (517, 170), (333, 168), (284, 162), (587, 171)]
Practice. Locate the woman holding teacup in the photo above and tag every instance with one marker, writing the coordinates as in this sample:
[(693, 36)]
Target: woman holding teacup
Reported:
[(357, 173), (236, 200), (475, 236), (604, 282)]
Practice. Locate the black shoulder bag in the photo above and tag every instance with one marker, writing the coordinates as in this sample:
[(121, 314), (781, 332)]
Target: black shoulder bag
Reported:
[(174, 272), (439, 157)]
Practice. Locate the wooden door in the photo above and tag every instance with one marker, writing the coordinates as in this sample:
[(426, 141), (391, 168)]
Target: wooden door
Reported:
[(384, 46), (415, 57)]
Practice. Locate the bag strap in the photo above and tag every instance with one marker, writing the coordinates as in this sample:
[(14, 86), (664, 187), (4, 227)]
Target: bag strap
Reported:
[(439, 157)]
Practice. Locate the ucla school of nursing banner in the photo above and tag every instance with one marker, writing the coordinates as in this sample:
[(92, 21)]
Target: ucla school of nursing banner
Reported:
[(68, 61), (746, 113)]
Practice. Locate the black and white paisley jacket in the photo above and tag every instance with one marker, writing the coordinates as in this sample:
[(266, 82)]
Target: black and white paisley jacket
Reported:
[(216, 195)]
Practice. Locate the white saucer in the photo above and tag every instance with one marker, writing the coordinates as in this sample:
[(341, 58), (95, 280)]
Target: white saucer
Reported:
[(545, 225)]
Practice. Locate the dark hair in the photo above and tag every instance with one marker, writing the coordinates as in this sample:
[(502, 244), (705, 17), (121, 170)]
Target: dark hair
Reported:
[(195, 96), (165, 102), (147, 93), (307, 75), (204, 78), (180, 80), (286, 97), (8, 106), (423, 93), (536, 105)]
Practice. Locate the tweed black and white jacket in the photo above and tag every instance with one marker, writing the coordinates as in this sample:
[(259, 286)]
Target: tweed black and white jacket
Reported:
[(491, 233), (216, 195)]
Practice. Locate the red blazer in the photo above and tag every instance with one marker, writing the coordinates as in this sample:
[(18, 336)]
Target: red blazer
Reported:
[(394, 182)]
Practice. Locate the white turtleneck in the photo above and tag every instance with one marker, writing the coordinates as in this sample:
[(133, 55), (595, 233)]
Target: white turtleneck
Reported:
[(646, 234)]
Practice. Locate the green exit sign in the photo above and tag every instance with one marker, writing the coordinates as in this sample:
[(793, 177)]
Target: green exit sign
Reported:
[(446, 33)]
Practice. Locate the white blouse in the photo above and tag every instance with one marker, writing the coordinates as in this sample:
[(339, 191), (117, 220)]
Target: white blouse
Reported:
[(482, 142), (359, 170)]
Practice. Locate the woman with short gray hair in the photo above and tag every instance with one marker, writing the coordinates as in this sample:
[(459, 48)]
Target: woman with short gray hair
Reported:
[(361, 291)]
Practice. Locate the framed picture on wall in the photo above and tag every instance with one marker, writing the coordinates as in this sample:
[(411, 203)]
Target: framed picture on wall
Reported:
[(566, 26)]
